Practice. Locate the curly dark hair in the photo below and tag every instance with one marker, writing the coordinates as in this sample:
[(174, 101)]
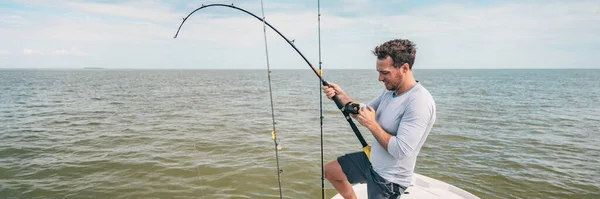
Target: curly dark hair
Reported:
[(400, 50)]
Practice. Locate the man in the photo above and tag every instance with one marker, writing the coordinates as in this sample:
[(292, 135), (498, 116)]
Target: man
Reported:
[(400, 119)]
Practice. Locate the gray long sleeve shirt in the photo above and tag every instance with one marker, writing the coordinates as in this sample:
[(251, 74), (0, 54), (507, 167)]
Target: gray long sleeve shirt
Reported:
[(408, 117)]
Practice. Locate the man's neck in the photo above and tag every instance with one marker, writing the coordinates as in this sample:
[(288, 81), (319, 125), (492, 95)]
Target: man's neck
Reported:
[(406, 84)]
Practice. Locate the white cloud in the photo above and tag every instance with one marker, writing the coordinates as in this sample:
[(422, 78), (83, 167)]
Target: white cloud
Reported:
[(355, 5), (448, 35), (495, 36), (28, 51), (145, 10), (506, 22), (73, 51), (61, 52), (12, 20)]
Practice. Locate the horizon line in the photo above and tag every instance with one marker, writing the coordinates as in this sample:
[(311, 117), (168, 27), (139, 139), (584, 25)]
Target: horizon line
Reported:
[(101, 68)]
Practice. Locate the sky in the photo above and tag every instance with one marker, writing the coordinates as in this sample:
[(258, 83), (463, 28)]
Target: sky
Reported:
[(456, 34)]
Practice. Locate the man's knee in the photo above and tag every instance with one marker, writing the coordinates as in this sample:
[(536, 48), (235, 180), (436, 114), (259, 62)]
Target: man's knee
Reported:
[(333, 171)]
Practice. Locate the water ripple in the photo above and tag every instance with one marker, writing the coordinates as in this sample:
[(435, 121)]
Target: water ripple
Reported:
[(174, 134)]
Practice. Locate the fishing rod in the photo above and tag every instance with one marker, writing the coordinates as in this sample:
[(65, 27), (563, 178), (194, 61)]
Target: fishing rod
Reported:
[(346, 109), (273, 134), (321, 102)]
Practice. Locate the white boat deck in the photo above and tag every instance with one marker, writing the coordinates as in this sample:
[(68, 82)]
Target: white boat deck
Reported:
[(422, 187)]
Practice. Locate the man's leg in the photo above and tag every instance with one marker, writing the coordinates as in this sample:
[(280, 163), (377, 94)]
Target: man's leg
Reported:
[(346, 170), (335, 175)]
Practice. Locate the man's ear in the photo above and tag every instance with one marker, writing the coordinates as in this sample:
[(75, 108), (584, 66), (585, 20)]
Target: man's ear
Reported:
[(405, 67)]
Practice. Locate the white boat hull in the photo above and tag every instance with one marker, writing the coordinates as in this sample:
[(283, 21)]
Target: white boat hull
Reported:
[(421, 187)]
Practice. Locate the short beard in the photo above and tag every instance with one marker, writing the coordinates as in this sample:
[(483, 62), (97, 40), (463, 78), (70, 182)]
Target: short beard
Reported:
[(395, 88)]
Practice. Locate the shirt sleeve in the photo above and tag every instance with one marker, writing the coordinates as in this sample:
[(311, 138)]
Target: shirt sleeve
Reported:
[(412, 128)]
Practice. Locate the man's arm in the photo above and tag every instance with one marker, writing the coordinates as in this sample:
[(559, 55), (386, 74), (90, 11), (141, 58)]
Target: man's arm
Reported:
[(380, 135), (411, 130), (366, 117)]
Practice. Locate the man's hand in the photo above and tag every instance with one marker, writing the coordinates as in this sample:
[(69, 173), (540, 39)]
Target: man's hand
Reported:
[(366, 117), (334, 89)]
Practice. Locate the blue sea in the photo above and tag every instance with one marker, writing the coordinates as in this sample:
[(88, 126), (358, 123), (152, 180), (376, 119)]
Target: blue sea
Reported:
[(117, 133)]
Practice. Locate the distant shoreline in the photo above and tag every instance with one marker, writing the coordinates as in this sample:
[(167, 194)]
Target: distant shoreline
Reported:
[(280, 69)]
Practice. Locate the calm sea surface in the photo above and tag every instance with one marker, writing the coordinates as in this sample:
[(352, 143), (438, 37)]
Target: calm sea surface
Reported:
[(207, 133)]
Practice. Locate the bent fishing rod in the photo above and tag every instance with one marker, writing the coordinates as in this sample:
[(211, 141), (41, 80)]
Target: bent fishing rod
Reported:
[(346, 109)]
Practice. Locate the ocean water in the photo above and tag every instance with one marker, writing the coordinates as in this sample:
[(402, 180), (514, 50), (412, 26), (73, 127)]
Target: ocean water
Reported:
[(207, 133)]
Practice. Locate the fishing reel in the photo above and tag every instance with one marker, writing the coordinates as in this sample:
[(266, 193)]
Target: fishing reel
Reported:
[(353, 107)]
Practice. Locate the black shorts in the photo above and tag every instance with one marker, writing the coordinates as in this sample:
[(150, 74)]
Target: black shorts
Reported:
[(358, 169)]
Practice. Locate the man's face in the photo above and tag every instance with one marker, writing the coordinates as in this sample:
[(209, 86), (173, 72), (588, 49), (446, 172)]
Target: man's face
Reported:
[(390, 76)]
